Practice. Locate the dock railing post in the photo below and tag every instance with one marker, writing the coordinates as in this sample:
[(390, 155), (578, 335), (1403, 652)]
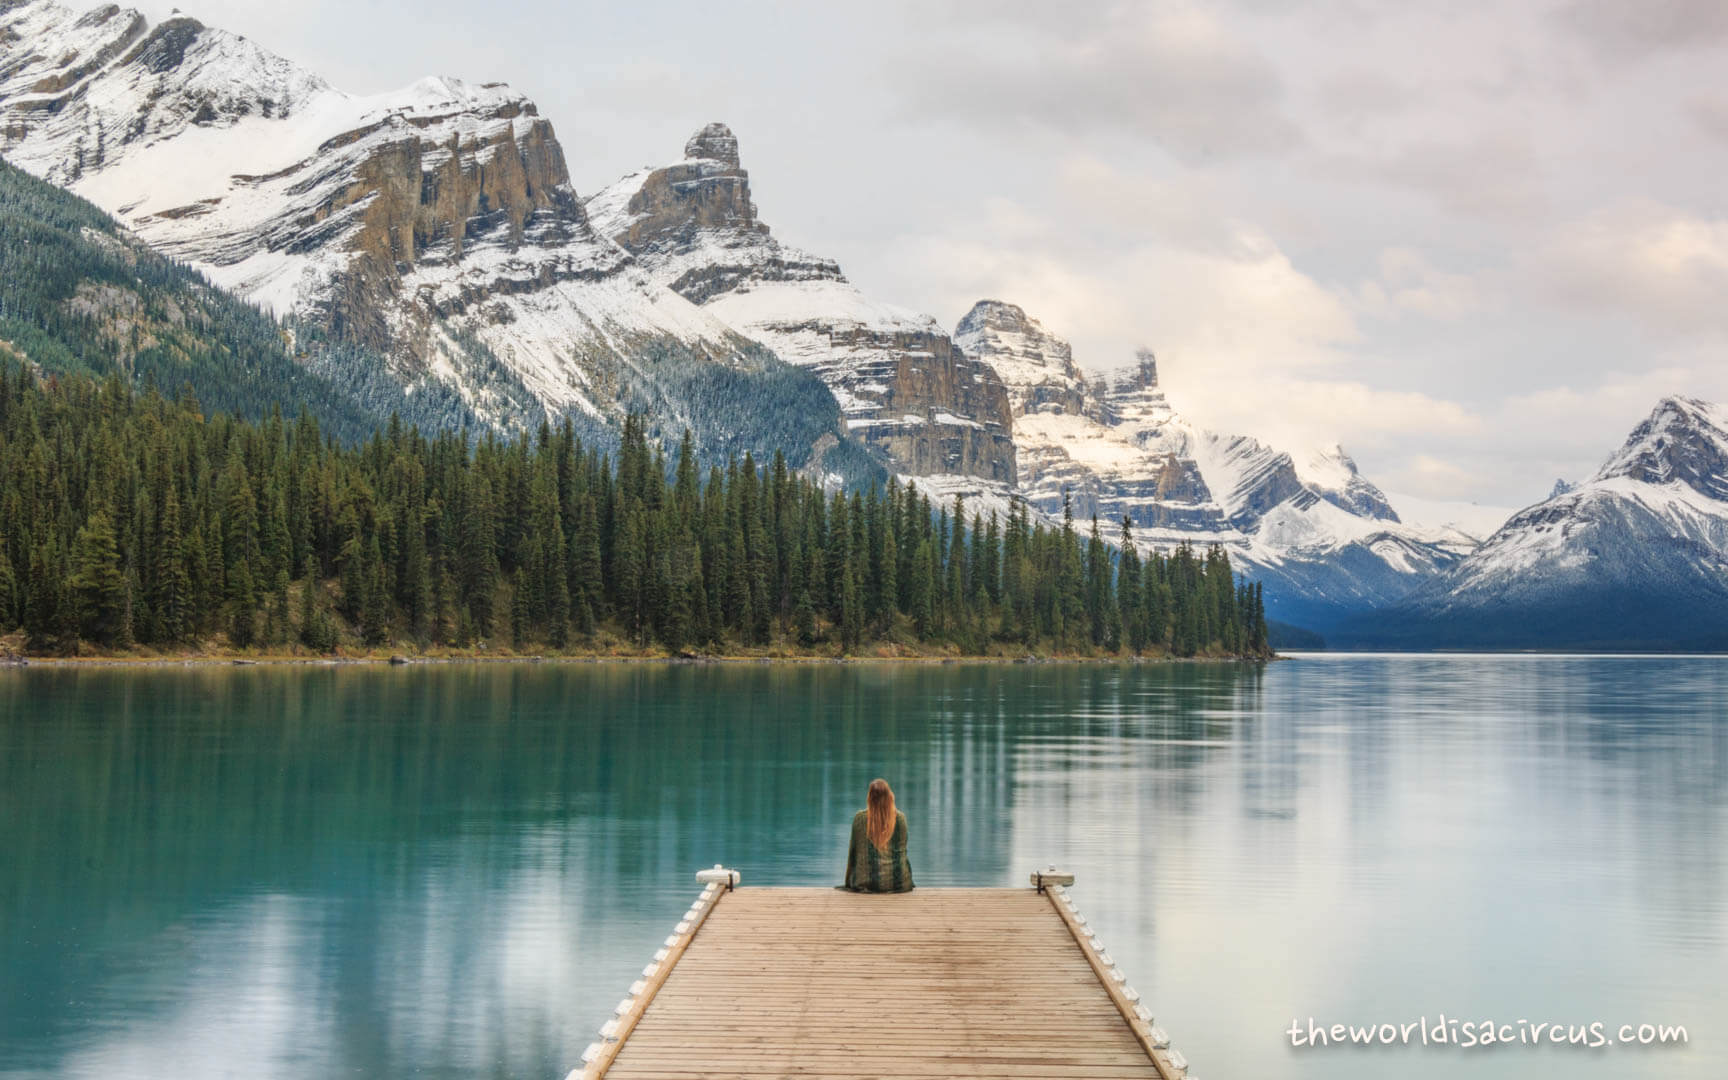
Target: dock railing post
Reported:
[(1170, 1064), (599, 1056)]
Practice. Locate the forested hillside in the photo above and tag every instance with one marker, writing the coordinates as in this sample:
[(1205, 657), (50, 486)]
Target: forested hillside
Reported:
[(80, 295), (130, 519)]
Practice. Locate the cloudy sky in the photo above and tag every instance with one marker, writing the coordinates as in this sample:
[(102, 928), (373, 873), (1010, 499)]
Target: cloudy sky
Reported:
[(1474, 243)]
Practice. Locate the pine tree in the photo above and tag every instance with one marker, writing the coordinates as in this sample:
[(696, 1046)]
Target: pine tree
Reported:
[(839, 557), (549, 593), (278, 624), (1130, 596), (678, 625), (50, 620), (477, 553), (171, 593), (804, 619), (316, 631), (1097, 600), (628, 571), (98, 584), (518, 613), (922, 605), (9, 616), (851, 610), (586, 589), (239, 532), (375, 591), (989, 568), (1069, 599), (414, 581), (955, 588)]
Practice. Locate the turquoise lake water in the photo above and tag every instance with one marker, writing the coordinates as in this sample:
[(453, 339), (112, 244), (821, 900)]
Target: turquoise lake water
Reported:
[(456, 871)]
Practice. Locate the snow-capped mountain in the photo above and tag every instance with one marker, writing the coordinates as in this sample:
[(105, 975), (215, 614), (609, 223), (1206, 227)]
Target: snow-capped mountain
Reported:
[(1322, 537), (903, 386), (433, 232), (434, 226), (1634, 557)]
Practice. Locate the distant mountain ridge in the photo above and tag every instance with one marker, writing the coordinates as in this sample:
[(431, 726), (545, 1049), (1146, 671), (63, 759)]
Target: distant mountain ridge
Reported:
[(1634, 557), (1323, 538)]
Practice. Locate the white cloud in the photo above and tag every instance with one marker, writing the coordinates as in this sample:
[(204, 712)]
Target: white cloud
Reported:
[(1246, 341), (1663, 267), (1410, 283), (1618, 29), (1710, 115), (1168, 70), (1617, 403), (1487, 174), (1432, 478)]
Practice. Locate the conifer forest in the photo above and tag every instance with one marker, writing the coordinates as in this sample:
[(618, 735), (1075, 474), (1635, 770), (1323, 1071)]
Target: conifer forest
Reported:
[(132, 521)]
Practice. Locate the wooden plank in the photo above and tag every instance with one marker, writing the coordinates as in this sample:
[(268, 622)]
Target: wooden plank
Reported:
[(1118, 997), (977, 983), (709, 899)]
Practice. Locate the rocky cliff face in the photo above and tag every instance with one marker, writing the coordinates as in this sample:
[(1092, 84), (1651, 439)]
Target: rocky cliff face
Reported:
[(1323, 538), (698, 216), (1036, 367), (903, 386), (434, 226)]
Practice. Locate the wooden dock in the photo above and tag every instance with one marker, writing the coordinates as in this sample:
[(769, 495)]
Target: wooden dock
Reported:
[(773, 982)]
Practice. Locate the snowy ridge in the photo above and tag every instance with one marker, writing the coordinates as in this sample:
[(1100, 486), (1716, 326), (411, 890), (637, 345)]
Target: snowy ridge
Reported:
[(1323, 537), (1684, 441), (1669, 479), (1634, 557), (434, 224)]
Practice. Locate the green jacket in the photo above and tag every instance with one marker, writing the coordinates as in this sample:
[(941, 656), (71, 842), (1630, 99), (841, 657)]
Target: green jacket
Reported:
[(869, 870)]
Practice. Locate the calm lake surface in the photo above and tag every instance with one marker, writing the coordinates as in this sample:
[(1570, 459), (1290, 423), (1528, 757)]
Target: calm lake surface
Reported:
[(456, 871)]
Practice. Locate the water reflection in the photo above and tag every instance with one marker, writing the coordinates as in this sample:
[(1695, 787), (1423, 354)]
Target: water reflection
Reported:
[(453, 871)]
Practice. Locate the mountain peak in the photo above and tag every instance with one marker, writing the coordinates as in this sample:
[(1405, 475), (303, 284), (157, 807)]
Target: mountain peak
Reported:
[(715, 142), (995, 315), (1140, 374), (1036, 366), (1683, 440), (1331, 472)]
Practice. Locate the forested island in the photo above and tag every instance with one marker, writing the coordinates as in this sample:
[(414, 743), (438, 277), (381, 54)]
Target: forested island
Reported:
[(133, 524)]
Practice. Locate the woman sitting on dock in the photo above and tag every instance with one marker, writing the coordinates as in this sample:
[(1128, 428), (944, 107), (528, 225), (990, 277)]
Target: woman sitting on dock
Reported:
[(877, 860)]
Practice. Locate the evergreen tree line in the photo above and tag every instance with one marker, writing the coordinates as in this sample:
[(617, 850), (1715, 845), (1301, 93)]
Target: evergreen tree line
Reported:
[(133, 519)]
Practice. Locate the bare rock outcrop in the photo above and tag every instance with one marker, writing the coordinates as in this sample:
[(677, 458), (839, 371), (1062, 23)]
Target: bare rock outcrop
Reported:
[(905, 388)]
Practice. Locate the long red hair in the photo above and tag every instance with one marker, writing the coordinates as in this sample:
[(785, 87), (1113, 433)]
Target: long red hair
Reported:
[(879, 810)]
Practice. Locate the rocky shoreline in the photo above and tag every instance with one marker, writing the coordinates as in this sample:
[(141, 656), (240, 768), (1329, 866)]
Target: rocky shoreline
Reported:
[(403, 660)]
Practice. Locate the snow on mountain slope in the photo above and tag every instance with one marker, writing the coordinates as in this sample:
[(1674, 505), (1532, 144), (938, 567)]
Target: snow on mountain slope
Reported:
[(1472, 519), (1634, 557), (1330, 473), (1670, 478), (905, 390), (1325, 540), (434, 225)]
